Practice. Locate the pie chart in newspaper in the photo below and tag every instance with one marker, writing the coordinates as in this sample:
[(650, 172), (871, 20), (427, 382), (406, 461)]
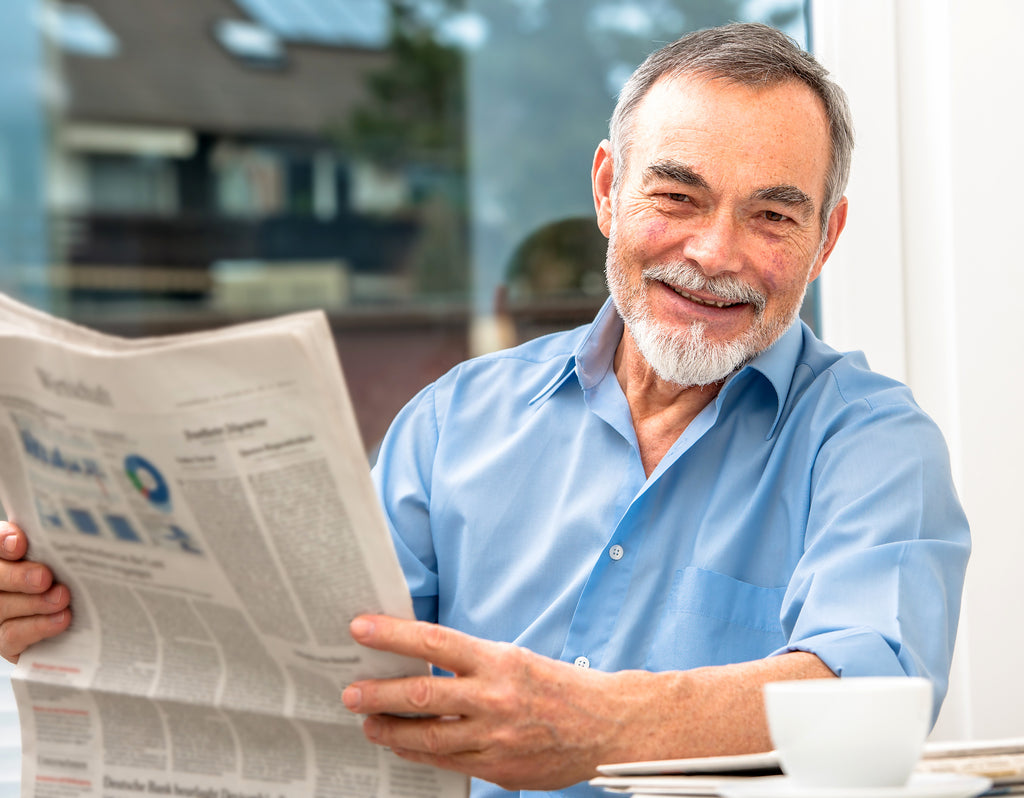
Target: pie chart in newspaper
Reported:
[(147, 479)]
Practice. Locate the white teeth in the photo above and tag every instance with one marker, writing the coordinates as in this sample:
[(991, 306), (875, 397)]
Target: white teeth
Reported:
[(700, 301)]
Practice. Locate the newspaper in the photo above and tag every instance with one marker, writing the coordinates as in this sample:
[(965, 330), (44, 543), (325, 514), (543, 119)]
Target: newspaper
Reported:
[(207, 500), (986, 767), (1000, 760)]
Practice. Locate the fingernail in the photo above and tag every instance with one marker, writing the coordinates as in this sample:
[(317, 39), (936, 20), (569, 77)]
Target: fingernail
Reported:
[(352, 697), (371, 728), (361, 627), (55, 595), (34, 577), (10, 543), (57, 618)]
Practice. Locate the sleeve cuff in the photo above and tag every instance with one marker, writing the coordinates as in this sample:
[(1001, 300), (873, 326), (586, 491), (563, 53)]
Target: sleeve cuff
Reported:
[(860, 652)]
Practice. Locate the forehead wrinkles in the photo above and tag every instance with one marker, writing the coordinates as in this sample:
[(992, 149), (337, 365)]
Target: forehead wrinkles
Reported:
[(780, 128)]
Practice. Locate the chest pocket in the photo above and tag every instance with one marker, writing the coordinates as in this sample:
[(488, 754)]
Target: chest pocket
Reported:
[(712, 619)]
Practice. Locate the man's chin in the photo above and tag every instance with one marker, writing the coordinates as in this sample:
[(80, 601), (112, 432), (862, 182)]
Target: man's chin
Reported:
[(688, 360)]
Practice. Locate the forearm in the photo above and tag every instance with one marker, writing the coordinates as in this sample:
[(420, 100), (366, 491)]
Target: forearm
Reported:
[(525, 721), (702, 712)]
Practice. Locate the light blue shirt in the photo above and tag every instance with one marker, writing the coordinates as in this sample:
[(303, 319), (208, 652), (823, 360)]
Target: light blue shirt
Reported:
[(809, 507)]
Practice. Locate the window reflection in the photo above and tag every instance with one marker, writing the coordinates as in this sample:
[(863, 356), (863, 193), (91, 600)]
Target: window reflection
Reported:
[(418, 168)]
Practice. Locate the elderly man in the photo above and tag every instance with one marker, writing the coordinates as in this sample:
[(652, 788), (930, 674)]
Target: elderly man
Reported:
[(615, 536)]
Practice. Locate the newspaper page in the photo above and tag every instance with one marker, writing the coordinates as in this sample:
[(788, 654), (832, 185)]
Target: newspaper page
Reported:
[(1000, 760), (207, 500)]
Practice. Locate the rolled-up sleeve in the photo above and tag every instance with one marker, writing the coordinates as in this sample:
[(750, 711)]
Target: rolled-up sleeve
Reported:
[(878, 588)]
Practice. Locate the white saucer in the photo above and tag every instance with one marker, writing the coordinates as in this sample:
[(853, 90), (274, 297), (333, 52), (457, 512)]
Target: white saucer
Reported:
[(769, 760), (921, 785)]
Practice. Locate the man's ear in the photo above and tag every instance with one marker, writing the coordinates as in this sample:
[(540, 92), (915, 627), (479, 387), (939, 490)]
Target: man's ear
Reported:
[(601, 178), (836, 223)]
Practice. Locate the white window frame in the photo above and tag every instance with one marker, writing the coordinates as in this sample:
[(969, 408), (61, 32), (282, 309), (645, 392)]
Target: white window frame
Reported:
[(926, 277)]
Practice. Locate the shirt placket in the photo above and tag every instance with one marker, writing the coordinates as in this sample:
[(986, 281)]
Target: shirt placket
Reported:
[(606, 590)]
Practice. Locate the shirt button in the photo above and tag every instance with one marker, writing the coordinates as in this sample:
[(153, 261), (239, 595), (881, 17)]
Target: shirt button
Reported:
[(616, 552), (582, 662)]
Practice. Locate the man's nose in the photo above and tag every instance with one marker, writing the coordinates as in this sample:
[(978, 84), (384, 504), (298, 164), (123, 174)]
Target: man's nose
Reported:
[(715, 244)]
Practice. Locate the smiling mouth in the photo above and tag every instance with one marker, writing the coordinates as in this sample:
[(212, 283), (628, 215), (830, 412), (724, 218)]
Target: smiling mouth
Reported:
[(707, 303)]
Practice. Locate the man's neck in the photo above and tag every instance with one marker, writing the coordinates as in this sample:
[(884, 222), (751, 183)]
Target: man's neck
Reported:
[(660, 410)]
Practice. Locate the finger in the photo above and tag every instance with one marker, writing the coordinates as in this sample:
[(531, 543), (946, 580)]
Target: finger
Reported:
[(414, 695), (446, 648), (24, 576), (24, 605), (432, 736), (19, 633), (13, 542), (17, 575)]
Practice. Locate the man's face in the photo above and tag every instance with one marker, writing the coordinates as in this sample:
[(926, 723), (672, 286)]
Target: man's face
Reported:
[(714, 231)]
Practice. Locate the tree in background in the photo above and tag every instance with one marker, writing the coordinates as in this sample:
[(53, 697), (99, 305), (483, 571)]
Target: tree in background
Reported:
[(510, 114), (413, 126)]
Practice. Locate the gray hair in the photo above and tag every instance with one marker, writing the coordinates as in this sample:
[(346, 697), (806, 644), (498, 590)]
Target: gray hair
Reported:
[(750, 54)]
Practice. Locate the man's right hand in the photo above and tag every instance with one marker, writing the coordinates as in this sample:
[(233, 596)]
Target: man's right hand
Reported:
[(32, 607)]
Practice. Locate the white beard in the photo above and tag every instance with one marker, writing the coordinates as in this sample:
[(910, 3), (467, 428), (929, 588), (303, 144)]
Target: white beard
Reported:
[(684, 356)]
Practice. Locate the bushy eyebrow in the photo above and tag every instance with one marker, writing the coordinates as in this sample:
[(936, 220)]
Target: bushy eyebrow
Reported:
[(790, 196), (676, 172), (797, 200)]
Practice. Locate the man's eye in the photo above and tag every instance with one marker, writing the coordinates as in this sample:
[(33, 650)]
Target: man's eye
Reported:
[(774, 216), (678, 197)]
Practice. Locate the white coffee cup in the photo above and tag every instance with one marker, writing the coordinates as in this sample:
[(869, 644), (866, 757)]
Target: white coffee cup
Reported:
[(850, 732)]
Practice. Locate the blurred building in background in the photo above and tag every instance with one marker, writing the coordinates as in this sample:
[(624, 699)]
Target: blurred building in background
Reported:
[(417, 168), (212, 144)]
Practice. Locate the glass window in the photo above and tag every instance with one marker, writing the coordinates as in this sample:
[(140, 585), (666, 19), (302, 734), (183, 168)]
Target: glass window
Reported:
[(78, 29), (418, 168)]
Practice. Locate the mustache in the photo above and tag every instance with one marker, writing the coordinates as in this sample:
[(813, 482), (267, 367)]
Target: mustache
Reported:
[(688, 277)]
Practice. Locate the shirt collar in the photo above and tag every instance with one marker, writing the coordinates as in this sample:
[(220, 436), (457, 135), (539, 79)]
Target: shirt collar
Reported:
[(777, 364), (592, 356)]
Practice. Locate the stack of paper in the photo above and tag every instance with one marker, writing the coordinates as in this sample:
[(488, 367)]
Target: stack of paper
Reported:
[(1001, 761), (946, 770)]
